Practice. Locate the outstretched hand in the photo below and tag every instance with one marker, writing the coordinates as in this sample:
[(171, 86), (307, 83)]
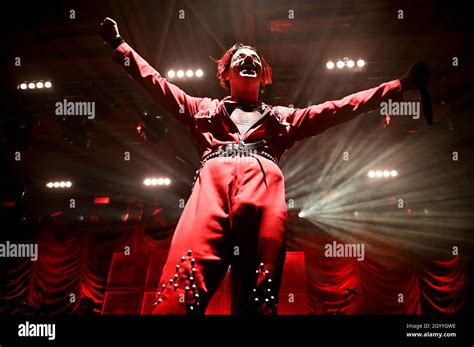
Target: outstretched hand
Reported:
[(108, 30), (417, 77)]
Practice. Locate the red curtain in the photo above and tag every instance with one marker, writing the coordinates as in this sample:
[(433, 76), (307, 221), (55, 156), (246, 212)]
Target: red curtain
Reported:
[(390, 279), (73, 264)]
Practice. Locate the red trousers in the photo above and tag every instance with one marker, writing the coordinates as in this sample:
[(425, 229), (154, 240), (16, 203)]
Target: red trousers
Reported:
[(237, 216)]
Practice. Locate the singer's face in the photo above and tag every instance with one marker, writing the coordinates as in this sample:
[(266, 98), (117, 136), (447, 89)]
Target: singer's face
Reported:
[(245, 69)]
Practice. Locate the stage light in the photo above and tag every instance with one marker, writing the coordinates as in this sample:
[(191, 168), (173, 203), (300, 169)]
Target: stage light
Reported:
[(381, 216), (301, 214), (189, 73), (59, 184), (102, 200), (341, 63), (139, 127), (34, 85), (157, 181), (382, 173)]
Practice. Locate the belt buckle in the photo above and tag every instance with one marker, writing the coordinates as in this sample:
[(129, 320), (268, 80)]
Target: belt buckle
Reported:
[(241, 145)]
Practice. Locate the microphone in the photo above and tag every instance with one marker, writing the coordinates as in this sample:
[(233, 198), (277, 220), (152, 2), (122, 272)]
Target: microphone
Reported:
[(421, 78), (426, 103), (350, 290)]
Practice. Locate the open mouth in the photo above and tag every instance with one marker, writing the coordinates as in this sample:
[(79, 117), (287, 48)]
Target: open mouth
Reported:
[(248, 70)]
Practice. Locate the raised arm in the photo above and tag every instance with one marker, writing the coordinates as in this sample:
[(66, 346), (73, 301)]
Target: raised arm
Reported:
[(315, 119), (166, 94)]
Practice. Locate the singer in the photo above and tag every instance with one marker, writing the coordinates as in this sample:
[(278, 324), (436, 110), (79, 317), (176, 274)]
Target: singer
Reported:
[(236, 215)]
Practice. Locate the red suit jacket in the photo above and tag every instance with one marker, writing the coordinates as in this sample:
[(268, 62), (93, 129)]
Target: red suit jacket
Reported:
[(211, 126)]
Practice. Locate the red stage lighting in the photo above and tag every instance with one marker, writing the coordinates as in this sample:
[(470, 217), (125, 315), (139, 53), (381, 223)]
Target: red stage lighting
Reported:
[(8, 203), (103, 200), (139, 127)]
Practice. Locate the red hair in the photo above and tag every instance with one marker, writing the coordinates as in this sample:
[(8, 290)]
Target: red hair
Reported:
[(223, 65)]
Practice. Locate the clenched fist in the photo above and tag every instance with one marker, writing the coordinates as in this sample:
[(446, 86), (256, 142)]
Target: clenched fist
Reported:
[(108, 30)]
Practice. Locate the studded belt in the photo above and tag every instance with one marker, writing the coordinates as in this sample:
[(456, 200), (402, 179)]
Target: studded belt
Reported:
[(240, 149)]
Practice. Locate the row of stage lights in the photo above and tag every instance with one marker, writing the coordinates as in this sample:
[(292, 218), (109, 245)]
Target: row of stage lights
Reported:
[(198, 73), (382, 173), (157, 182), (188, 73), (35, 85), (59, 184), (346, 62), (152, 181), (164, 181)]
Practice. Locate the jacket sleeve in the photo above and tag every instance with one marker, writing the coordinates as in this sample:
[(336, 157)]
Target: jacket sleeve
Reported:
[(315, 119), (166, 94)]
